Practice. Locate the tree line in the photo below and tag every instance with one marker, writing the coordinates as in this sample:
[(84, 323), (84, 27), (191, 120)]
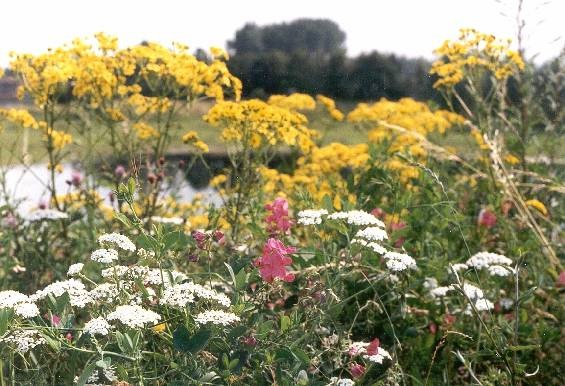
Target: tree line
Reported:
[(309, 56)]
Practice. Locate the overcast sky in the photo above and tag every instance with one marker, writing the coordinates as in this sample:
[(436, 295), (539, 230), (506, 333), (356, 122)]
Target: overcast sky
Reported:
[(405, 27)]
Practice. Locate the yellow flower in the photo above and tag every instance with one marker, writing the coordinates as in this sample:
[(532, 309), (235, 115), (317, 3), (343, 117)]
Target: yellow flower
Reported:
[(511, 159), (159, 327), (145, 131), (536, 204), (294, 101)]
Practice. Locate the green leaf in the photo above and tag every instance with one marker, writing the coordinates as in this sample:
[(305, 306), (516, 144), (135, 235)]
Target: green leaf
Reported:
[(87, 372), (285, 323), (301, 355), (524, 347), (123, 219), (265, 327), (131, 186), (6, 315), (232, 275), (183, 341), (241, 279), (174, 240)]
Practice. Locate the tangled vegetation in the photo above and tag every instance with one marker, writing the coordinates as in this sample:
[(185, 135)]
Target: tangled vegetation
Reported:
[(392, 261)]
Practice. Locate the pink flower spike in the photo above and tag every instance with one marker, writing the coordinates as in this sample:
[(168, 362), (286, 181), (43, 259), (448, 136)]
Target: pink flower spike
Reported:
[(486, 218), (278, 221), (274, 260), (357, 370)]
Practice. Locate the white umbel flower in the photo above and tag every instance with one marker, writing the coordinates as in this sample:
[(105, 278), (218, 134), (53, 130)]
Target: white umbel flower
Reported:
[(500, 270), (97, 326), (24, 340), (335, 381), (27, 310), (104, 256), (439, 292), (381, 355), (377, 248), (75, 269), (9, 298), (134, 316), (484, 305), (372, 234), (217, 317), (118, 240), (46, 214), (471, 291), (458, 267), (486, 259), (183, 294), (78, 294), (357, 217), (398, 262), (311, 216)]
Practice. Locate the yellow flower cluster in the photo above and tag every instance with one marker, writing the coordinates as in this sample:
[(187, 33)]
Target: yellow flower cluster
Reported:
[(294, 101), (257, 124), (474, 51), (97, 75), (191, 138), (59, 139), (75, 201), (145, 131), (538, 205), (329, 104), (319, 173), (21, 117), (414, 119)]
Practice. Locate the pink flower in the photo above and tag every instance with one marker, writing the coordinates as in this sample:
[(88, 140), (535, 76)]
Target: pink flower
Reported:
[(379, 213), (120, 172), (200, 238), (560, 280), (278, 221), (76, 178), (274, 260), (486, 218), (54, 319), (357, 370), (373, 347)]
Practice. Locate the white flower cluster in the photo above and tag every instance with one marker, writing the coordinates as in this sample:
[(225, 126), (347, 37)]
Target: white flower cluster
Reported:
[(357, 217), (104, 291), (149, 276), (168, 220), (46, 214), (377, 248), (27, 310), (216, 317), (22, 304), (24, 340), (182, 294), (108, 375), (360, 348), (118, 240), (78, 294), (311, 216), (398, 262), (75, 269), (97, 326), (9, 298), (134, 316), (145, 254), (104, 256), (335, 381), (458, 267), (497, 265), (372, 234)]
